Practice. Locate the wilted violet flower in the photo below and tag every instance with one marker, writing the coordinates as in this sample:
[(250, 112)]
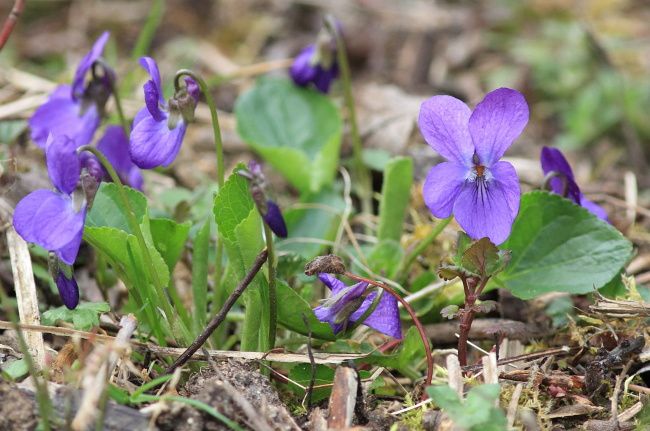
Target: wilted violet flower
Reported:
[(347, 304), (561, 180), (159, 127), (74, 110), (481, 191), (52, 219), (115, 146)]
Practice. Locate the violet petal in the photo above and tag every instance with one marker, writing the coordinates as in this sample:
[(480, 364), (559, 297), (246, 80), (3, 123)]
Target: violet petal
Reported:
[(61, 116), (63, 165), (68, 253), (593, 208), (442, 186), (149, 64), (443, 121), (152, 100), (488, 207), (68, 290), (86, 63), (302, 69), (496, 122), (115, 146), (48, 219), (153, 144), (323, 78), (385, 318), (333, 283), (554, 161), (193, 88)]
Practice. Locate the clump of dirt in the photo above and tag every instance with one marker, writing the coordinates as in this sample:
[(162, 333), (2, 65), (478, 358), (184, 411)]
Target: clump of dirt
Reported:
[(17, 410), (238, 391)]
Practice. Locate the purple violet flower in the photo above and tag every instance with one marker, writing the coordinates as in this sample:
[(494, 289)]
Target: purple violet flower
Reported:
[(562, 181), (312, 66), (68, 289), (74, 110), (159, 127), (346, 305), (115, 146), (481, 191), (49, 218)]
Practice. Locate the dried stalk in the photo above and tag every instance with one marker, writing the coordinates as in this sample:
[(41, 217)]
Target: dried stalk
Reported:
[(100, 366), (24, 285)]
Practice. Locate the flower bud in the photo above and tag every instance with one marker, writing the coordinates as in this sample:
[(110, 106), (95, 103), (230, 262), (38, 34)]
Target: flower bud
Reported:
[(65, 281), (274, 219), (68, 289)]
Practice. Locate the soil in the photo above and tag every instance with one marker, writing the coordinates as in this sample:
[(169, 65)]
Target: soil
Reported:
[(226, 388), (17, 410)]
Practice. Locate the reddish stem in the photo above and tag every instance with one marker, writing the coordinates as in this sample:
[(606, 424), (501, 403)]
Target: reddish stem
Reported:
[(466, 315), (409, 309), (10, 22)]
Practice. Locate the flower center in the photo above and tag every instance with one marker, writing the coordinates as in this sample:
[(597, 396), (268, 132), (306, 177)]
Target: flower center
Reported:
[(480, 170)]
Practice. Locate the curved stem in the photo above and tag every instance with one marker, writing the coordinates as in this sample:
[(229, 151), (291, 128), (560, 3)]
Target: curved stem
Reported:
[(135, 228), (273, 291), (421, 246), (411, 312), (365, 189), (216, 129), (218, 142)]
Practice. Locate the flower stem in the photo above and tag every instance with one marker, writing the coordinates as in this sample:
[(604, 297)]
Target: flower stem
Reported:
[(411, 312), (218, 142), (273, 290), (135, 228), (466, 315), (363, 174), (216, 129), (421, 246), (120, 112)]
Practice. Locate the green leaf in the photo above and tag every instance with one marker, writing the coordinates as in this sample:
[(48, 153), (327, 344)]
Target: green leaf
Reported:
[(292, 306), (324, 375), (232, 205), (296, 130), (476, 413), (484, 258), (385, 257), (169, 239), (11, 129), (376, 159), (445, 398), (559, 246), (84, 317), (318, 222), (200, 275), (111, 241), (395, 196), (16, 370), (240, 226), (108, 210)]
